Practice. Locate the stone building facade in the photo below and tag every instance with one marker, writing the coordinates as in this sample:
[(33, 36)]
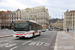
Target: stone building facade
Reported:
[(69, 19), (39, 14), (11, 16)]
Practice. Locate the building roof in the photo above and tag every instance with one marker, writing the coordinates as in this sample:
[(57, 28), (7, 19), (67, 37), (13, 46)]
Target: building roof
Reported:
[(6, 11), (70, 11)]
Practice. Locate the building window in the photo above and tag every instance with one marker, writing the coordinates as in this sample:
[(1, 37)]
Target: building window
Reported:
[(71, 15)]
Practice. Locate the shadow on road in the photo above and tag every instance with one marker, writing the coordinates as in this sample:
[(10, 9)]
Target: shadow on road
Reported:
[(23, 38)]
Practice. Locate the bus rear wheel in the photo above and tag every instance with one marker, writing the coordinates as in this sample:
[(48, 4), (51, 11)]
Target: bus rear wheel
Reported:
[(33, 35), (39, 33)]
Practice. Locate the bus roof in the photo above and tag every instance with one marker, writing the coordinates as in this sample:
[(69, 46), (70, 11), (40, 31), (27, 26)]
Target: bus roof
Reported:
[(29, 21)]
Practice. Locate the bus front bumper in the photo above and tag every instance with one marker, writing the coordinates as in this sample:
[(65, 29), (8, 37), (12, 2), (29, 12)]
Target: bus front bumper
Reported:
[(26, 36)]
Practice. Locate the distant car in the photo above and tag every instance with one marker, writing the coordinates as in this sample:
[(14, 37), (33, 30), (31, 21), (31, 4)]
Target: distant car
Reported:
[(5, 29), (46, 29), (53, 29), (50, 29), (43, 30)]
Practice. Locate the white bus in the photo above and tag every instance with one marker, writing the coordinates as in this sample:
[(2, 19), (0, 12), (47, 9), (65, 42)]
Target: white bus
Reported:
[(26, 29)]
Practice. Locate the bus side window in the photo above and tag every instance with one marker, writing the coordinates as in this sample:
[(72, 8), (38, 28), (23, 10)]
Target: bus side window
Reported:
[(30, 27)]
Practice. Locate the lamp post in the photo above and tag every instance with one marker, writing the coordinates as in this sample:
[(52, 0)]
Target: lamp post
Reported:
[(28, 16), (74, 28), (74, 31), (35, 18)]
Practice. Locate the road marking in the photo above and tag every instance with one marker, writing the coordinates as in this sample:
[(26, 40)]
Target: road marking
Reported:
[(1, 45), (55, 47), (39, 43), (26, 42), (13, 48), (68, 47), (64, 37), (46, 44), (4, 44), (32, 43), (10, 45)]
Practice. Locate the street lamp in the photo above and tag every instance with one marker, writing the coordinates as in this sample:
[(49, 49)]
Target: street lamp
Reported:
[(35, 18), (74, 32), (28, 16)]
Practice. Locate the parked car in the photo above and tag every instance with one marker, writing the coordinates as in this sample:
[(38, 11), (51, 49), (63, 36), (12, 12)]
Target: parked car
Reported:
[(5, 29), (50, 29), (54, 30)]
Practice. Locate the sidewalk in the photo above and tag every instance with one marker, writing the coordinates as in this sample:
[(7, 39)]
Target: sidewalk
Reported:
[(71, 34), (64, 41)]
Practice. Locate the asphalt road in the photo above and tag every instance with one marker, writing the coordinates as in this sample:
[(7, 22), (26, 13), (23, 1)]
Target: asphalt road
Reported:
[(44, 42)]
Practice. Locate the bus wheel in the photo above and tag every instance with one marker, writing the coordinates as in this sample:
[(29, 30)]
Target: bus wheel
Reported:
[(39, 33), (33, 35)]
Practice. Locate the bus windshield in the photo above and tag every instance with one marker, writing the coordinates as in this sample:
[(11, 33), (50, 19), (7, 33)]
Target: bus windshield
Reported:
[(21, 27)]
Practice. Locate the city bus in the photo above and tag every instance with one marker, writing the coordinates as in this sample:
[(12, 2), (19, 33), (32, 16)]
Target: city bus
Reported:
[(27, 29)]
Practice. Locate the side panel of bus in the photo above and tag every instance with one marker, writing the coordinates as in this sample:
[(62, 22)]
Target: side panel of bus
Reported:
[(36, 28)]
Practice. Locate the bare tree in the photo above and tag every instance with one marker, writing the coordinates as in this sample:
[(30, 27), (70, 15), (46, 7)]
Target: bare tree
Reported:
[(3, 15)]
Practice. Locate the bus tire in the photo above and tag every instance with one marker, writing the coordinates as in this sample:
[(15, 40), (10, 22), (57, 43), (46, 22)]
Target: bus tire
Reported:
[(39, 33), (33, 35)]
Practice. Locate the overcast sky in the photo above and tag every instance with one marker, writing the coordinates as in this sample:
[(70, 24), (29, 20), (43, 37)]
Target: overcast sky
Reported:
[(55, 7)]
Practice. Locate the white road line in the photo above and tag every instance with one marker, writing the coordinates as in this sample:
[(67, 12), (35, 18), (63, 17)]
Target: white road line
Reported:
[(55, 47), (39, 43), (46, 44), (32, 43), (26, 42), (10, 45), (13, 48), (64, 37), (1, 45)]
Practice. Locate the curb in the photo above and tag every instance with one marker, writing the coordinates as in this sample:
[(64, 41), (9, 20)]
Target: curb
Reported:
[(6, 36)]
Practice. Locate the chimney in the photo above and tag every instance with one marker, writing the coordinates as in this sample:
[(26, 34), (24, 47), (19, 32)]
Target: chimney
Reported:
[(67, 11)]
